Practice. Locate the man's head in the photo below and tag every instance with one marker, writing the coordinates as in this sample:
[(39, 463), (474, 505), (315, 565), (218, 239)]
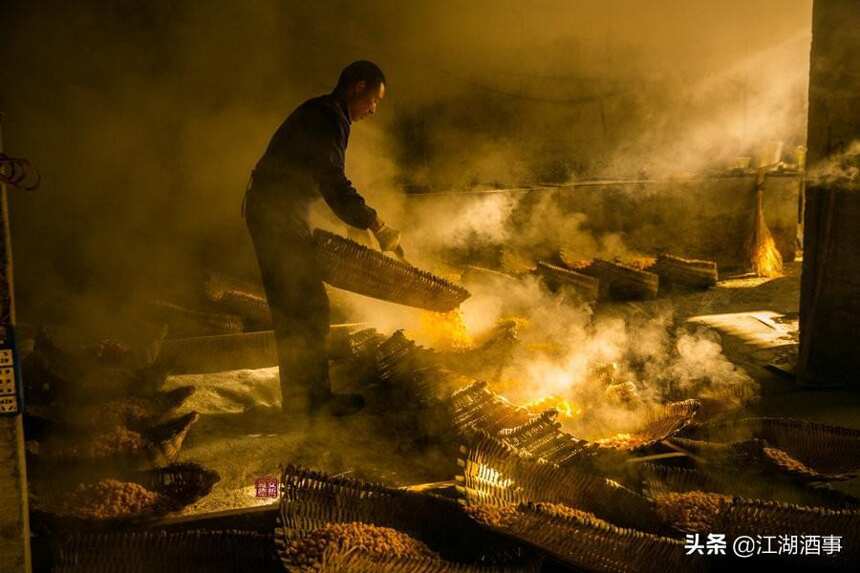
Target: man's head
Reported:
[(361, 85)]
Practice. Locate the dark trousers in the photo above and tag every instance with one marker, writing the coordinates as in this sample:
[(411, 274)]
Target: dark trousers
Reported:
[(297, 300)]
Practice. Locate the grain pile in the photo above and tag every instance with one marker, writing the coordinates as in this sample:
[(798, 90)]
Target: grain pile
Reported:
[(305, 554), (491, 515), (692, 510), (622, 441), (561, 510), (116, 442), (642, 263), (120, 412), (496, 516), (110, 498), (788, 463)]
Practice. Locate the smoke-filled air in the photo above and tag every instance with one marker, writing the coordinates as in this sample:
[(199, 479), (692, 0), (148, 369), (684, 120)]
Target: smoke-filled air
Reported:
[(364, 258)]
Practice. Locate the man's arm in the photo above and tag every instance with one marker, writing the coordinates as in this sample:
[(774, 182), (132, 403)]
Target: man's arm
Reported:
[(336, 189)]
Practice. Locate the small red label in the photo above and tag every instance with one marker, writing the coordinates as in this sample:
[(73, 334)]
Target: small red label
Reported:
[(266, 487)]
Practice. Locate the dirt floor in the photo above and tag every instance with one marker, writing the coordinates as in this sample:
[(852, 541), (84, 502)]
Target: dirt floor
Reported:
[(242, 435)]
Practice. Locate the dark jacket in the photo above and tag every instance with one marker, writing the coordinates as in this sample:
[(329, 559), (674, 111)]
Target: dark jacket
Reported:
[(305, 159)]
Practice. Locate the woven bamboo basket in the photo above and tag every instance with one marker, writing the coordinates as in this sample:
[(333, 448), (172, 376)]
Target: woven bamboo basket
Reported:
[(825, 448), (656, 479), (586, 542), (178, 485), (168, 552), (691, 273), (311, 500), (350, 266), (495, 474)]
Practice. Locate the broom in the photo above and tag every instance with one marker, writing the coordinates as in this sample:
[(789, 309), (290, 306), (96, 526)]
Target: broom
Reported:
[(765, 259)]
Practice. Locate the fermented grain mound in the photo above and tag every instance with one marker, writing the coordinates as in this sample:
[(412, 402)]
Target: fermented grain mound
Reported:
[(620, 441), (133, 412), (108, 499), (119, 441), (784, 462), (571, 261), (641, 263), (159, 444), (694, 511), (305, 554), (562, 510), (354, 267), (146, 494), (493, 515)]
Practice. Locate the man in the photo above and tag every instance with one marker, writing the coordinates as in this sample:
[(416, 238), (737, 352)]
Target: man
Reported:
[(303, 162)]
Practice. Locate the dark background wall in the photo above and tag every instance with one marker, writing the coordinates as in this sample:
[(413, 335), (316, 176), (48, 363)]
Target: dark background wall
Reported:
[(146, 117)]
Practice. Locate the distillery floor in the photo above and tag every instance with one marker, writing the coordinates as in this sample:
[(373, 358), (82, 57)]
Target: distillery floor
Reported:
[(242, 435)]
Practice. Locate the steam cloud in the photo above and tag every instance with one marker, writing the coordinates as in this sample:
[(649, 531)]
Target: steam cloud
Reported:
[(146, 133)]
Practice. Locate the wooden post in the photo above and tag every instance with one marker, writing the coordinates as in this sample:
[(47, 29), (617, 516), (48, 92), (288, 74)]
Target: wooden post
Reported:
[(829, 296), (14, 511)]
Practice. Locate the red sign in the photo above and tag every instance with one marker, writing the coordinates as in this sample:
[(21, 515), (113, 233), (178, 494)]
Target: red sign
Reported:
[(266, 486)]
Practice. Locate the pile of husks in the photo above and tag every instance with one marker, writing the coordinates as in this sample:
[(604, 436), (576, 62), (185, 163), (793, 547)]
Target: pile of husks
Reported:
[(306, 552), (110, 498), (692, 510)]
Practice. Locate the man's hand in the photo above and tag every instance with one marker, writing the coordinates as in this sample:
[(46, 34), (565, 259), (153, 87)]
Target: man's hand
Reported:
[(388, 238)]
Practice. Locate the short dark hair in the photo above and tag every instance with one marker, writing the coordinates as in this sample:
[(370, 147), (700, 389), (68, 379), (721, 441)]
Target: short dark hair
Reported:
[(361, 70)]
